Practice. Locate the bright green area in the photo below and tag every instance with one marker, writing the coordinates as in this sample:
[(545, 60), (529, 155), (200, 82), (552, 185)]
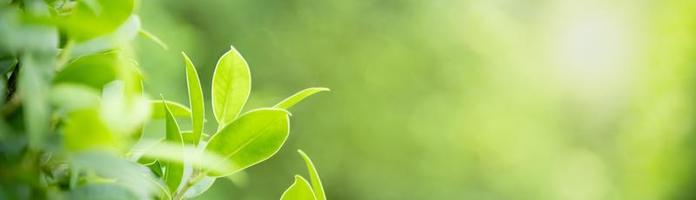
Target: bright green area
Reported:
[(452, 99)]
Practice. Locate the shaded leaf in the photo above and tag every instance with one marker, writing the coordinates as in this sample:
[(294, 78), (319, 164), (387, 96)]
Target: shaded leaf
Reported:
[(299, 96), (155, 167), (195, 99), (299, 190), (231, 86), (253, 138)]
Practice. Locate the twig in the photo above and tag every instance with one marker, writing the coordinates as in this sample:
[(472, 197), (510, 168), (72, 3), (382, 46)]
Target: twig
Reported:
[(195, 177)]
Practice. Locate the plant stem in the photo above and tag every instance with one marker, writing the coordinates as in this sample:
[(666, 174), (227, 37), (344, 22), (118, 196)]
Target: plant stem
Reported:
[(195, 177)]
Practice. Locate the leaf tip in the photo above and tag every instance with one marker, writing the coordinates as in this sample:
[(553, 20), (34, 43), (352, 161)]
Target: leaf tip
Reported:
[(323, 89), (302, 153)]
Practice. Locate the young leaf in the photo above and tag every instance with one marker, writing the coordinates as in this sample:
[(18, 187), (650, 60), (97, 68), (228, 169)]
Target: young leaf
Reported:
[(195, 99), (252, 138), (174, 171), (299, 96), (313, 176), (177, 109), (299, 190), (231, 86)]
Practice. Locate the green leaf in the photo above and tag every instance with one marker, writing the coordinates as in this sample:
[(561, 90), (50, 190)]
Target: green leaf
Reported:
[(124, 112), (178, 110), (199, 187), (195, 99), (94, 18), (85, 130), (34, 86), (119, 171), (174, 170), (251, 139), (155, 167), (299, 190), (102, 191), (313, 176), (101, 69), (123, 35), (299, 96), (170, 152), (7, 64), (231, 87), (69, 97)]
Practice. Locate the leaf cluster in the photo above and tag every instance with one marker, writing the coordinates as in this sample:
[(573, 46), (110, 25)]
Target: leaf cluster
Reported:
[(73, 108)]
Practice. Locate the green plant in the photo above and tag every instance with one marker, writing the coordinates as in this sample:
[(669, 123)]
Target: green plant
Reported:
[(74, 110)]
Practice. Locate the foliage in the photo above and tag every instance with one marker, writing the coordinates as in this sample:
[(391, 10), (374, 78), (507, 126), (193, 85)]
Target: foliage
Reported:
[(74, 110)]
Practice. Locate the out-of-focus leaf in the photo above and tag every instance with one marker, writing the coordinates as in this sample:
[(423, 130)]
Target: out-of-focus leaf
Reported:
[(121, 36), (177, 109), (174, 171), (68, 97), (93, 18), (299, 96), (124, 113), (7, 64), (299, 190), (123, 173), (155, 167), (153, 38), (201, 186), (93, 70), (169, 152), (231, 86), (313, 176), (18, 35), (103, 191), (189, 138), (195, 99), (251, 139), (34, 85), (85, 130)]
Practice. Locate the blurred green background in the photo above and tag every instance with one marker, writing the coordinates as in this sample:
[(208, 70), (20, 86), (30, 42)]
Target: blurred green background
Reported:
[(454, 99)]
